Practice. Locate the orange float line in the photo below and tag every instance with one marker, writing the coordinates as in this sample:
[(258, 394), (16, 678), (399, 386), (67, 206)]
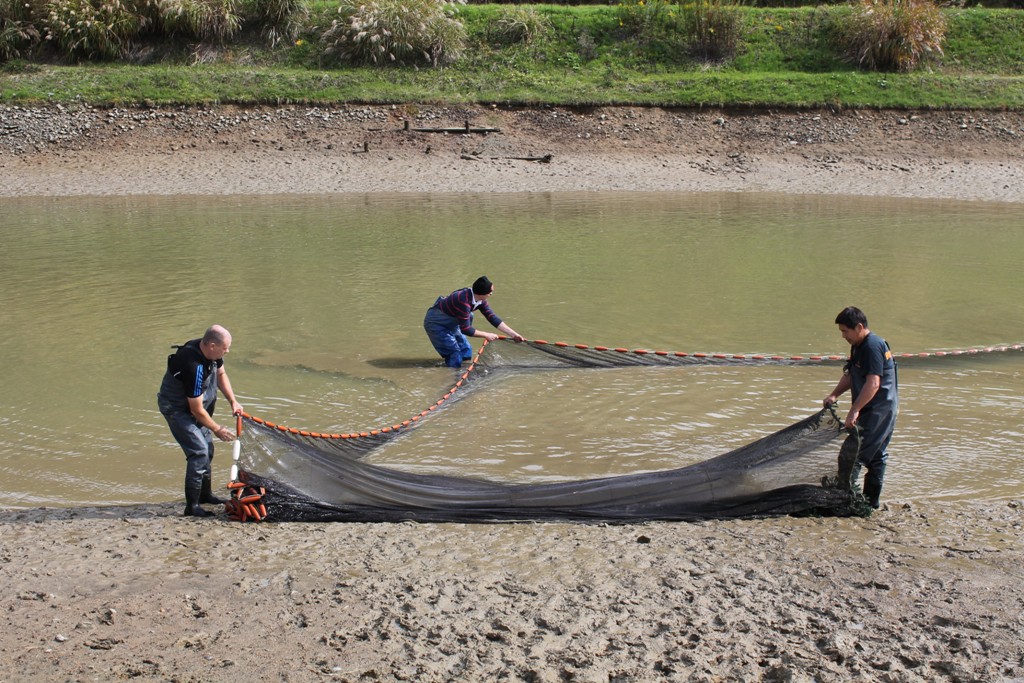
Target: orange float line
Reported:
[(383, 430), (678, 354)]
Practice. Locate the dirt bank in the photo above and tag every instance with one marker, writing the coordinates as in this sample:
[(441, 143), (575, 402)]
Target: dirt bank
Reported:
[(229, 150), (916, 593)]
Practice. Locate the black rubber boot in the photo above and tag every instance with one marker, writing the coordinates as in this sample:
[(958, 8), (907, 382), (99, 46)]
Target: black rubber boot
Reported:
[(192, 508), (872, 491), (206, 493)]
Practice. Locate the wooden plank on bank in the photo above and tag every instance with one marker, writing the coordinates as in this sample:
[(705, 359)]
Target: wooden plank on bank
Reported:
[(466, 128)]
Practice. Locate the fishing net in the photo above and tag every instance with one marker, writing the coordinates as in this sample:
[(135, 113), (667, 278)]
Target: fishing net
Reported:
[(358, 443), (518, 357), (805, 468), (539, 353), (795, 470)]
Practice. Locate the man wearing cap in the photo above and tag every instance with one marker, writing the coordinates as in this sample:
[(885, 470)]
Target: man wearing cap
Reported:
[(449, 322), (870, 374)]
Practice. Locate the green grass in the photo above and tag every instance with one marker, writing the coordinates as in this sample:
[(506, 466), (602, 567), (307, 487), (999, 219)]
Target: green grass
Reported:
[(985, 41), (787, 58)]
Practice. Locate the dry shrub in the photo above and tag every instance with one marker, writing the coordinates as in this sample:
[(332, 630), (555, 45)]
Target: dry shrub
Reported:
[(214, 21), (647, 19), (893, 35), (18, 30), (90, 29), (712, 28), (281, 20), (519, 25), (395, 31), (706, 29)]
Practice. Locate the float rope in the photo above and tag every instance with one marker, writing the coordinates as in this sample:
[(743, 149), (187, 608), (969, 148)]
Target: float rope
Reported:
[(246, 501), (404, 425), (745, 357)]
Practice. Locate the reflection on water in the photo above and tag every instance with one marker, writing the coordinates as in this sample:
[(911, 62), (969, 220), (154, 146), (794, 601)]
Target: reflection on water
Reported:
[(326, 295)]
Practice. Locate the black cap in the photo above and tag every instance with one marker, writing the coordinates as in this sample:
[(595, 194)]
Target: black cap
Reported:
[(482, 286)]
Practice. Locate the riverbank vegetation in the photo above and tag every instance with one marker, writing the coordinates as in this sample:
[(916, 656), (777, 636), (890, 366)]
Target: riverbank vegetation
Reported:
[(880, 53)]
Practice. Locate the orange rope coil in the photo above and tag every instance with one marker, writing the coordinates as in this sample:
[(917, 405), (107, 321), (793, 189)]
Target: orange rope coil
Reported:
[(246, 502)]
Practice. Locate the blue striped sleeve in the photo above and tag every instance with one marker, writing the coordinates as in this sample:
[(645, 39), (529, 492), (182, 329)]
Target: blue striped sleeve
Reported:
[(197, 389)]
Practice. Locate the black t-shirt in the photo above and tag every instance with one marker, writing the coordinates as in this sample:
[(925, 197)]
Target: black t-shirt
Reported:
[(873, 357), (189, 375)]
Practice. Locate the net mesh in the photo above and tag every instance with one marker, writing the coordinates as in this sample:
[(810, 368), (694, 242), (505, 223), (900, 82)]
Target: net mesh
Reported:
[(564, 354), (795, 470), (298, 475), (359, 443)]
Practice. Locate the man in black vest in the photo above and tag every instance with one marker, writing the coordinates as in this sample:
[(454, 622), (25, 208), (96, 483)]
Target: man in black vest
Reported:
[(187, 398)]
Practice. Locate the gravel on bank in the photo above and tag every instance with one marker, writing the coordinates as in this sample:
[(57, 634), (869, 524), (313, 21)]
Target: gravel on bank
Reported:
[(67, 151)]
